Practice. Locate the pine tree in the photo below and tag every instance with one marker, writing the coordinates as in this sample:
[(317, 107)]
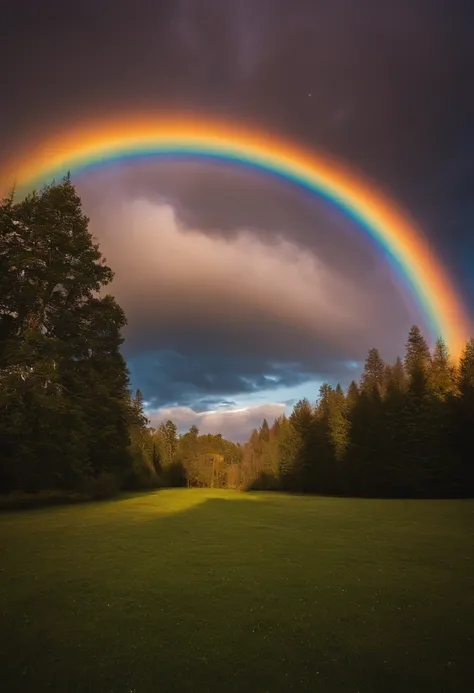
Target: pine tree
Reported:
[(352, 395), (264, 432), (303, 422), (169, 434), (194, 432), (366, 445), (417, 354), (421, 443), (331, 437), (374, 372), (145, 459), (394, 476), (443, 372), (288, 450), (339, 424), (463, 419)]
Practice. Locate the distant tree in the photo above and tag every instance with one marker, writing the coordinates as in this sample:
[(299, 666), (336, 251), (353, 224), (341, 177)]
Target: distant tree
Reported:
[(303, 422), (168, 432), (138, 415), (417, 355), (420, 426), (392, 473), (264, 433), (288, 447), (374, 373), (366, 429), (443, 372), (146, 463), (463, 419), (324, 455)]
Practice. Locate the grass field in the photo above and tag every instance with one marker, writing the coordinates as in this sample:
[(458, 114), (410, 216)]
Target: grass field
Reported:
[(201, 590)]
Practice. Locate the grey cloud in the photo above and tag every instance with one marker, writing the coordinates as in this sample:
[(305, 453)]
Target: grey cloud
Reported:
[(207, 381)]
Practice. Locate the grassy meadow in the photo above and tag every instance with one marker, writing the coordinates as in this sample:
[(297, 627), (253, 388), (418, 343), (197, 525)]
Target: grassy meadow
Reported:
[(203, 590)]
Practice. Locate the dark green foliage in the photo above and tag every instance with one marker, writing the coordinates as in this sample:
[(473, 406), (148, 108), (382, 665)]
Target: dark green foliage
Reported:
[(404, 431), (64, 400), (462, 420)]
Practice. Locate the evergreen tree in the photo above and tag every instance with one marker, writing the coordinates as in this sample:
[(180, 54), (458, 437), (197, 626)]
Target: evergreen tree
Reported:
[(394, 476), (169, 434), (374, 373), (339, 424), (330, 439), (145, 459), (366, 444), (443, 373), (463, 420), (421, 442), (64, 394), (194, 432), (288, 442), (304, 469), (264, 432), (417, 355)]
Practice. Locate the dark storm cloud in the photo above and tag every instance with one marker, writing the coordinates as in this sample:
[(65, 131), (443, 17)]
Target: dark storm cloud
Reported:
[(169, 378)]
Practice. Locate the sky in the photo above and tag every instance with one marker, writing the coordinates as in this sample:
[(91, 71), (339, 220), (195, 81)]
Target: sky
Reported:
[(242, 293)]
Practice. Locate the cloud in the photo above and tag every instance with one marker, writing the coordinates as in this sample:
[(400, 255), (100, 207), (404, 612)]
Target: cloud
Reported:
[(262, 293), (234, 425), (168, 378)]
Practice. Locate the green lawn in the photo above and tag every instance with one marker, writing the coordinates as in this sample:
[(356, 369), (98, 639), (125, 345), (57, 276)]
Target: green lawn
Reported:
[(201, 590)]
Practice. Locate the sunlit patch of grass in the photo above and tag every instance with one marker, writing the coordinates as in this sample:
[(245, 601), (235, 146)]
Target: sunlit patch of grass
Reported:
[(209, 590)]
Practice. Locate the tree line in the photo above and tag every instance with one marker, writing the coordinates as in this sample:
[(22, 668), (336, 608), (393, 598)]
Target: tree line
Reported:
[(402, 431), (69, 419)]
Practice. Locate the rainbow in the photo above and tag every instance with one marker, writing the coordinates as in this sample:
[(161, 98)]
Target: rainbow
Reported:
[(395, 232)]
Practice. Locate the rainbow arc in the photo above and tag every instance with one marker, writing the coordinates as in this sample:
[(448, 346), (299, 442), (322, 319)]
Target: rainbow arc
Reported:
[(392, 228)]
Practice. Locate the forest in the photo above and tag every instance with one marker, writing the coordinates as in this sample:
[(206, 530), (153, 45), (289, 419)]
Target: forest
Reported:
[(69, 419)]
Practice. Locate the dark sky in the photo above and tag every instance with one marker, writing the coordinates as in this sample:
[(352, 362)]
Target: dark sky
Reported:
[(210, 262)]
